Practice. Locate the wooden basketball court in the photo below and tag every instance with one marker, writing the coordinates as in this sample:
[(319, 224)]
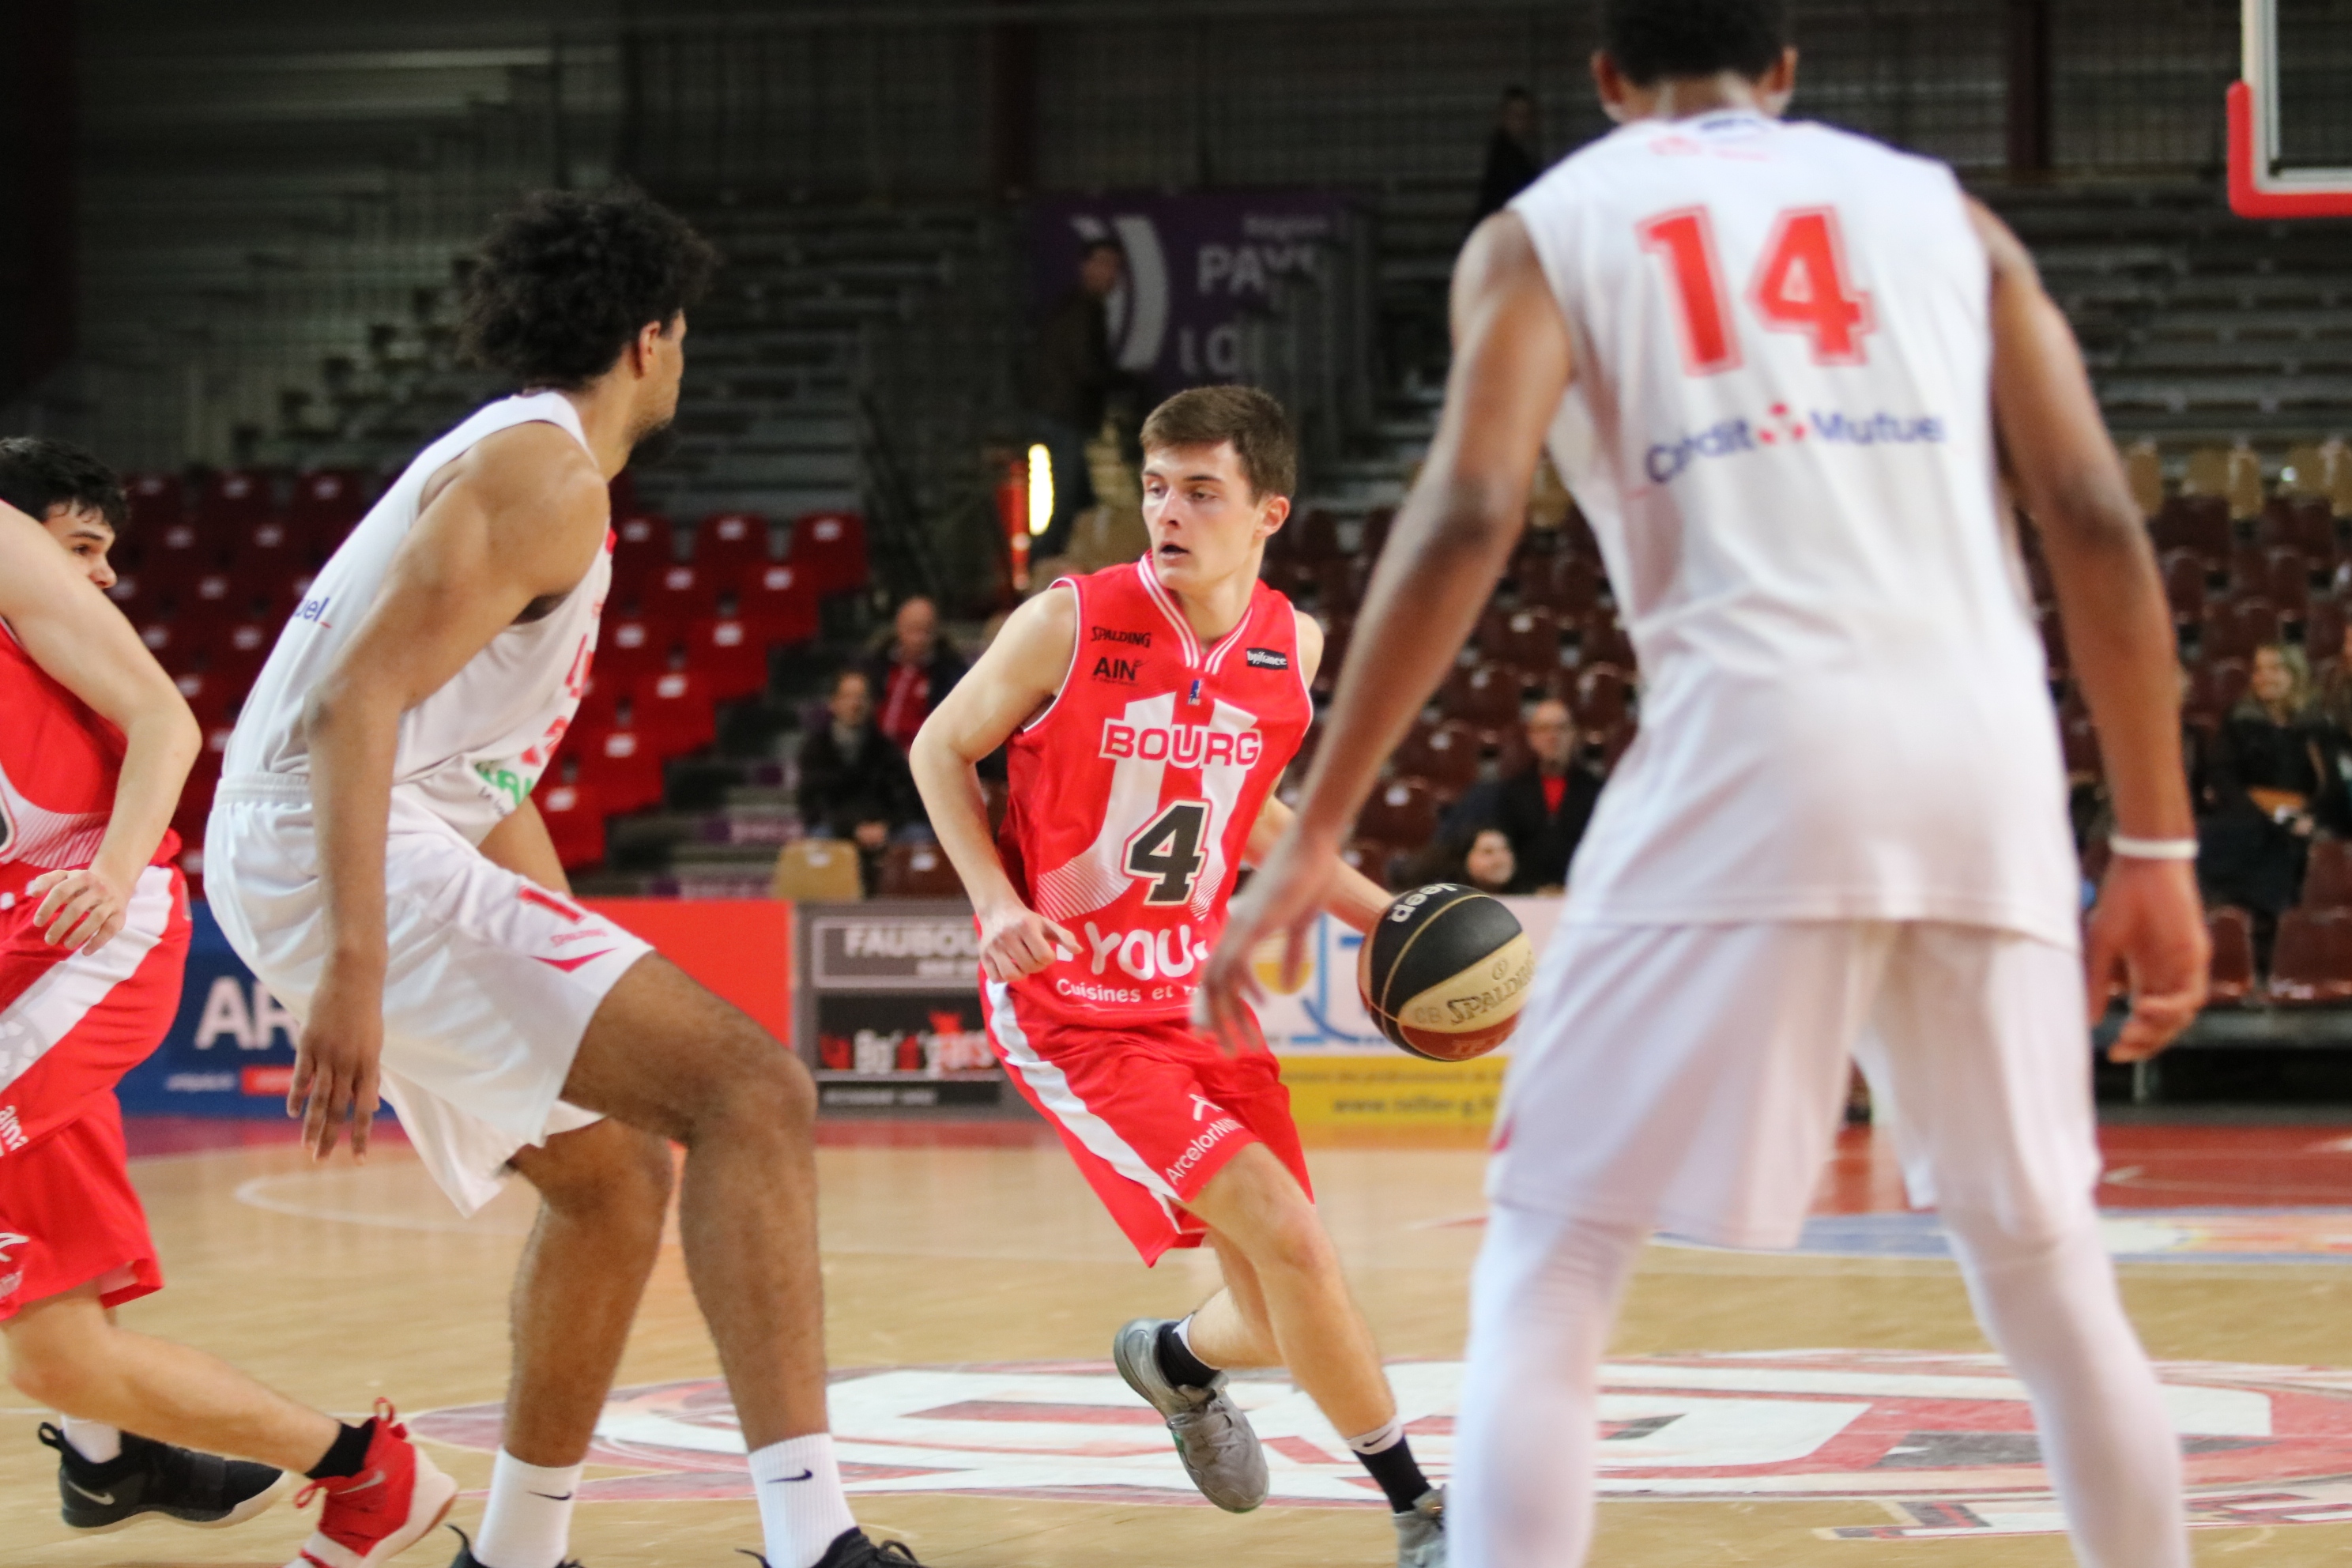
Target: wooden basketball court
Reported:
[(1816, 1408)]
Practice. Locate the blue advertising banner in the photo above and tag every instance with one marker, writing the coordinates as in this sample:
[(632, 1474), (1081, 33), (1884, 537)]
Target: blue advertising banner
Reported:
[(231, 1048), (1194, 265)]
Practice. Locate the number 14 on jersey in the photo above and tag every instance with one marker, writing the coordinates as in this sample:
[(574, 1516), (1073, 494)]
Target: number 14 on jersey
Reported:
[(1802, 285)]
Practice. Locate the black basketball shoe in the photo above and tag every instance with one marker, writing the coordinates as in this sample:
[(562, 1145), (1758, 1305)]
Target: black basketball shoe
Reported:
[(151, 1477), (466, 1558), (851, 1549)]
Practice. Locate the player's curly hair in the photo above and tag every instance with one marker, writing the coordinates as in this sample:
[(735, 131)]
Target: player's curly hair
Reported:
[(39, 472), (1652, 40), (566, 280)]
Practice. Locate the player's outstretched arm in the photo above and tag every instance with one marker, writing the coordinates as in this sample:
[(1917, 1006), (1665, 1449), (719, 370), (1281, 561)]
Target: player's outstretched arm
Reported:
[(519, 518), (2148, 930), (82, 643), (1512, 361), (1020, 673)]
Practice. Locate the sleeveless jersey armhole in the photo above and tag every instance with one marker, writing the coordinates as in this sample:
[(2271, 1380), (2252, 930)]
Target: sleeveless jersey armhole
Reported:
[(1078, 641), (1298, 663)]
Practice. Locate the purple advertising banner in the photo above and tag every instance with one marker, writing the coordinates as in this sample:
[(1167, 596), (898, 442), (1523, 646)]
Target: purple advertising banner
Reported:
[(1195, 265)]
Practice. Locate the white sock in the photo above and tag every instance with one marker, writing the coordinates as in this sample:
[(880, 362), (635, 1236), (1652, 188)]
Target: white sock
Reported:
[(1184, 1338), (1380, 1440), (93, 1440), (529, 1520), (803, 1509)]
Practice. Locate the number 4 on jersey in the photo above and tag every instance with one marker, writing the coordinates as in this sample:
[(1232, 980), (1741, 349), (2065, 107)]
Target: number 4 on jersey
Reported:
[(1166, 852), (1801, 286)]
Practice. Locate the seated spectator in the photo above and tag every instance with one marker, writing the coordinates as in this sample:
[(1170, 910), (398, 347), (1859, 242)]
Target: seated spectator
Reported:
[(912, 671), (854, 784), (2332, 682), (1543, 808), (1488, 863), (2271, 789)]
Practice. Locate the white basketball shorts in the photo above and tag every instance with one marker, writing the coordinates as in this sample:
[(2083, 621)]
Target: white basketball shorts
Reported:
[(490, 985), (1693, 1078)]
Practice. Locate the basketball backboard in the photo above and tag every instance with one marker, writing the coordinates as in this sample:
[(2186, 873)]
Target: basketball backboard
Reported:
[(2291, 112)]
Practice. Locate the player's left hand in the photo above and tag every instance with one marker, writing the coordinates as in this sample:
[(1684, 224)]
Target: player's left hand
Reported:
[(80, 910), (1283, 895), (2148, 939)]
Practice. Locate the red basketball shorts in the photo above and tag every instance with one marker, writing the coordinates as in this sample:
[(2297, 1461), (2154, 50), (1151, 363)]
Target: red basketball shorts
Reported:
[(70, 1026), (1151, 1112)]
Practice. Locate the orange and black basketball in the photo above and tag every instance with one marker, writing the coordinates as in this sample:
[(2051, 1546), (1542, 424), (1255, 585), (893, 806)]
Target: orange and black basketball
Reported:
[(1444, 973)]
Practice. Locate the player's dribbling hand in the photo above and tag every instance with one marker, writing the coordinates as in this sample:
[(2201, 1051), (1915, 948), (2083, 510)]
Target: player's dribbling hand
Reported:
[(335, 1064), (1016, 939), (1283, 895), (2148, 939), (81, 909)]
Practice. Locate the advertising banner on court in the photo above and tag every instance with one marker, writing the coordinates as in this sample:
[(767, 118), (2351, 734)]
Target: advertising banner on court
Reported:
[(1196, 263), (890, 1012), (231, 1048)]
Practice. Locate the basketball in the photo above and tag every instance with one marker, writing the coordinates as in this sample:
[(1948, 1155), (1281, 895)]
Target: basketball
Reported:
[(1444, 973)]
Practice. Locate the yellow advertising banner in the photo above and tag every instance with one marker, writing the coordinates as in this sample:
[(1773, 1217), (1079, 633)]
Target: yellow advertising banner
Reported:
[(1331, 1091)]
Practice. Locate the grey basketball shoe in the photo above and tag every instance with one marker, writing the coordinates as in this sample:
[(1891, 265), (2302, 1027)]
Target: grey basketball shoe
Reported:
[(1421, 1534), (1212, 1437)]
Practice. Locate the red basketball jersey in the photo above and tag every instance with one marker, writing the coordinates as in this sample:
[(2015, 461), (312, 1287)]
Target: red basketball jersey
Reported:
[(58, 763), (1133, 795)]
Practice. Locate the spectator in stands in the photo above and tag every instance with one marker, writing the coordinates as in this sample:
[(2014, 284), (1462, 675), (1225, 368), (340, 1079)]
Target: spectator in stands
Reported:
[(854, 784), (1512, 163), (2271, 791), (1543, 808), (1071, 375), (912, 672), (1488, 863), (2333, 680)]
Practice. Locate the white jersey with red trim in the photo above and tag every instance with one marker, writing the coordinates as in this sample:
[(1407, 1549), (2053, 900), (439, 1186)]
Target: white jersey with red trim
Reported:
[(472, 752), (1780, 427)]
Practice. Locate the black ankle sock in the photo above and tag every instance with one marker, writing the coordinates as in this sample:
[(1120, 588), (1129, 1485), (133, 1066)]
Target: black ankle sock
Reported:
[(346, 1455), (1399, 1475), (1179, 1364)]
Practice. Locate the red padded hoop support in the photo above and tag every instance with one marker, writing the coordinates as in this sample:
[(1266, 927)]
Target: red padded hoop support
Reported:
[(2249, 197)]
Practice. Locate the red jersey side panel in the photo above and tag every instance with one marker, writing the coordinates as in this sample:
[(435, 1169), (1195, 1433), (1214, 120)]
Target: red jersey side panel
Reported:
[(58, 765), (1133, 796)]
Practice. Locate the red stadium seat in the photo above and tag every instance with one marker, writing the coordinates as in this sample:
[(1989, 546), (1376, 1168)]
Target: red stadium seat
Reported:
[(272, 547), (680, 594), (238, 651), (1568, 584), (576, 822), (2217, 685), (728, 654), (1446, 755), (130, 595), (2327, 876), (2312, 961), (2288, 582), (1402, 812), (830, 547), (2322, 629), (2236, 627), (1526, 640), (1373, 858), (631, 647), (778, 603), (918, 871), (2184, 586), (728, 543), (621, 769), (1600, 640), (326, 501), (2250, 570), (176, 550), (157, 501), (672, 709), (2197, 524), (642, 545), (207, 697), (2305, 524), (177, 645), (1486, 696), (235, 496), (1602, 695), (2231, 977), (2080, 741)]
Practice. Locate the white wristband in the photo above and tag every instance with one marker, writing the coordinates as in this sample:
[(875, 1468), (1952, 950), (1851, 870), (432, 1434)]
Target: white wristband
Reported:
[(2153, 848)]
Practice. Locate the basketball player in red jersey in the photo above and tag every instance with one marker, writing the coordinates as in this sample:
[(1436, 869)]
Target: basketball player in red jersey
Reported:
[(94, 746), (1150, 710)]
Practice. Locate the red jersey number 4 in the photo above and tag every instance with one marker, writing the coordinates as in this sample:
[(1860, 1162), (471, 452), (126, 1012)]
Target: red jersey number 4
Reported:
[(1802, 285)]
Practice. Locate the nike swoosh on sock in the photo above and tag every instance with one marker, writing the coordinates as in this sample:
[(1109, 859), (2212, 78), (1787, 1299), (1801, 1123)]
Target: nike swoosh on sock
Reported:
[(804, 1475), (553, 1498)]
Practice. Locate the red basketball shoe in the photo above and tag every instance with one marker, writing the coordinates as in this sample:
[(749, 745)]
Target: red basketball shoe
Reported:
[(373, 1517)]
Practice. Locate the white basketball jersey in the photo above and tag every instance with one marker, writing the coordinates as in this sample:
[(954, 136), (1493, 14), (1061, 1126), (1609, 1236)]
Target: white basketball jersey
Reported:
[(1779, 427), (471, 752)]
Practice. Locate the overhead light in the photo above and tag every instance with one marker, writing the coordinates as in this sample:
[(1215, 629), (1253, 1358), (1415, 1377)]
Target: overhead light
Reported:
[(1041, 491)]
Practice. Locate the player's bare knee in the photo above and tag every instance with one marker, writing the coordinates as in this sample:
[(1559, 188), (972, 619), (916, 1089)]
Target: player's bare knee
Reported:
[(762, 1089), (1294, 1243)]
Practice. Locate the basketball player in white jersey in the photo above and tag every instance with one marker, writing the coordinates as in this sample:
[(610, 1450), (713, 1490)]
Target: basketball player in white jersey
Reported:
[(374, 856), (1781, 366)]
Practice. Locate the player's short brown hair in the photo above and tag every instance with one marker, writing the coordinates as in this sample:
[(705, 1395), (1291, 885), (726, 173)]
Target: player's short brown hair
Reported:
[(1255, 423)]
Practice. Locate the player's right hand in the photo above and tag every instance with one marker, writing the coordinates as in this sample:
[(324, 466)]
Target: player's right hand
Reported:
[(2148, 939), (1016, 939), (335, 1063)]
